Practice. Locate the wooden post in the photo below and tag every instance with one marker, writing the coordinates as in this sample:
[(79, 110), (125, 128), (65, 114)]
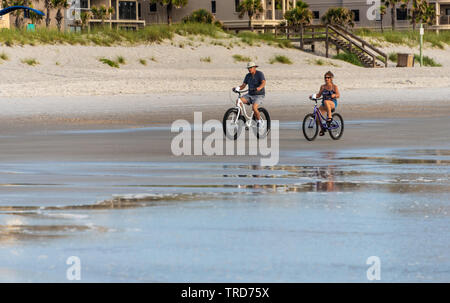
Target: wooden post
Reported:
[(312, 40), (302, 45), (326, 41)]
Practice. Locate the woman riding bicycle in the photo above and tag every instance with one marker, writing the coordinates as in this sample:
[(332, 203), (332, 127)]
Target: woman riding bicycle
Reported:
[(330, 93)]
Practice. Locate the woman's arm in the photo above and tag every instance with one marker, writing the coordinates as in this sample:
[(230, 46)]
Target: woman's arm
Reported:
[(337, 94), (320, 92)]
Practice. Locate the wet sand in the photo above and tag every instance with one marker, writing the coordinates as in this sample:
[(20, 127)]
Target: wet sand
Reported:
[(96, 179)]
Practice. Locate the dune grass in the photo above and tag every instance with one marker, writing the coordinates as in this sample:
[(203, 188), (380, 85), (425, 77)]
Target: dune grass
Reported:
[(106, 36), (120, 60), (240, 58), (4, 56), (143, 61), (30, 61), (206, 59), (427, 61), (348, 57), (280, 59), (109, 62), (251, 39), (408, 38)]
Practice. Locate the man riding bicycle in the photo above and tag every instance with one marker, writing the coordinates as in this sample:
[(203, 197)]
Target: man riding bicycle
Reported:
[(256, 92)]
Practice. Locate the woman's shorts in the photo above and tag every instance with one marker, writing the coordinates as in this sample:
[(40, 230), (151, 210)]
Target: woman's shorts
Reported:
[(334, 100)]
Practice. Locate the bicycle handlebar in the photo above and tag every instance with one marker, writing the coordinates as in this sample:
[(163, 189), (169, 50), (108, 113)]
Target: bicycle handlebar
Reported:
[(239, 91)]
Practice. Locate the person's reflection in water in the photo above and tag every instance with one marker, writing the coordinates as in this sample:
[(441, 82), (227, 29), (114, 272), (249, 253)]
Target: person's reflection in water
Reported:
[(326, 173)]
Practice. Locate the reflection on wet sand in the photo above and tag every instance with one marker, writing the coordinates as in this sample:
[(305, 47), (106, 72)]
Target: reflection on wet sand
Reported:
[(397, 172)]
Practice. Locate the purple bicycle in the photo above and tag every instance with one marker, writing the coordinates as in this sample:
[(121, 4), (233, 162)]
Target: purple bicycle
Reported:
[(311, 123)]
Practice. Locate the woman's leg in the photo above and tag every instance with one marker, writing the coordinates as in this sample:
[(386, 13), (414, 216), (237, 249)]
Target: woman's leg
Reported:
[(329, 105)]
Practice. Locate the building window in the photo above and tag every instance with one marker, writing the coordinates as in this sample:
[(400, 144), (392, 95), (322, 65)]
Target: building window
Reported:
[(236, 5), (26, 14), (355, 13), (316, 14), (139, 10), (153, 7), (447, 11), (402, 13), (127, 10), (84, 4), (213, 7)]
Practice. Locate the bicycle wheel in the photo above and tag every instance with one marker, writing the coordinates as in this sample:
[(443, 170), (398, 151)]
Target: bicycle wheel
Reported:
[(263, 129), (310, 127), (336, 128), (231, 127)]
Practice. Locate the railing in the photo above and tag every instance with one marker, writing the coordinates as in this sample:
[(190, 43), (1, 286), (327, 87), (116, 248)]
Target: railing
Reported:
[(310, 34), (360, 43), (444, 20)]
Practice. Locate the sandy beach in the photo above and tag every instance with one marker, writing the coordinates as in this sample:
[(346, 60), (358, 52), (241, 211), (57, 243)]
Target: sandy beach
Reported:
[(86, 170)]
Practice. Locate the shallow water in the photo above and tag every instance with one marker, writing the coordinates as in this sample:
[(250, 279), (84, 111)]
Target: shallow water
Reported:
[(211, 222)]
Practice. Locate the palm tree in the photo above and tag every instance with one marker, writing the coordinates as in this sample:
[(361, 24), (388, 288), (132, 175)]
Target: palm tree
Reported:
[(428, 15), (170, 4), (250, 7), (339, 16), (17, 13), (393, 5), (421, 12), (382, 14), (301, 14), (59, 4), (102, 12)]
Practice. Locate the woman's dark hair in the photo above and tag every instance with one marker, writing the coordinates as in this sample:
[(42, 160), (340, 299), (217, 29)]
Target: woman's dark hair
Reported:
[(329, 74)]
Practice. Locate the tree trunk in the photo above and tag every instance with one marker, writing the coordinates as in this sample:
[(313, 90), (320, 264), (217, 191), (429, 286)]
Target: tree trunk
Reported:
[(169, 13), (382, 29), (393, 17), (47, 18), (58, 19)]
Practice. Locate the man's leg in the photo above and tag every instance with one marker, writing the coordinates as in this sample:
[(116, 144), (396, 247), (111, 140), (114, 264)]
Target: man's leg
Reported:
[(256, 111)]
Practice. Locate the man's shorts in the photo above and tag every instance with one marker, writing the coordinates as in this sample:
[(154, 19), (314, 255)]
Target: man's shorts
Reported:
[(254, 99)]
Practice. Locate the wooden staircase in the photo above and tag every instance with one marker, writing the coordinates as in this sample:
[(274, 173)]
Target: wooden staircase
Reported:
[(336, 35), (369, 55), (365, 59)]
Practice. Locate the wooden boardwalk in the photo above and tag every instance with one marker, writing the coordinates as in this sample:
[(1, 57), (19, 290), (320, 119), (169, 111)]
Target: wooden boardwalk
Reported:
[(331, 35)]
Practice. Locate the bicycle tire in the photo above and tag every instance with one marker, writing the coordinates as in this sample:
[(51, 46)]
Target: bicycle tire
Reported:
[(337, 117), (224, 124), (307, 120)]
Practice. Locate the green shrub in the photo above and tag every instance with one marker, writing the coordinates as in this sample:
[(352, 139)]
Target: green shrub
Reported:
[(348, 57), (280, 59), (206, 59), (239, 58), (109, 62), (199, 16), (30, 61)]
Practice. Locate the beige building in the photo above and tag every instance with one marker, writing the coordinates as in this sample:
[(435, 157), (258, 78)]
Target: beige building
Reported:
[(138, 13), (126, 13), (226, 11), (4, 20)]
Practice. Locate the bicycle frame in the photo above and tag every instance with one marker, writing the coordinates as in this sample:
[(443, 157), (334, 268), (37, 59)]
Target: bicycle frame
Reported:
[(318, 117), (241, 108)]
